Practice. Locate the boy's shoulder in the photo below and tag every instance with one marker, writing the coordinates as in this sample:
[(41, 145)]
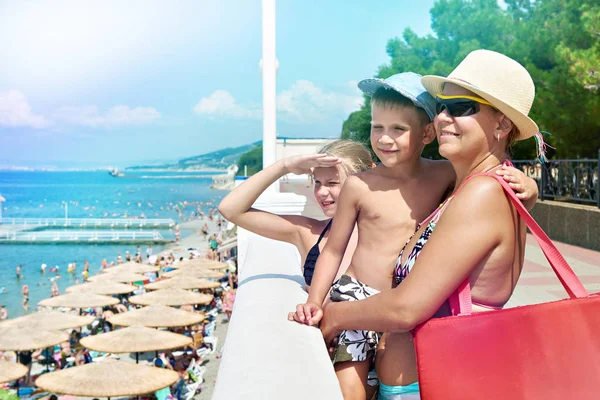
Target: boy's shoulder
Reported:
[(370, 175)]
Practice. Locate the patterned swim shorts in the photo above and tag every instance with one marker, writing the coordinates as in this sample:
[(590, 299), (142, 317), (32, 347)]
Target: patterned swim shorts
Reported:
[(353, 345)]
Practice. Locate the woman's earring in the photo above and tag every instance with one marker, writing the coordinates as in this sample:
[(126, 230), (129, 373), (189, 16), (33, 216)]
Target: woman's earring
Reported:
[(498, 136)]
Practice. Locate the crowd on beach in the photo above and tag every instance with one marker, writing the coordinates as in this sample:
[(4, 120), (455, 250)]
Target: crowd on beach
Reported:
[(422, 223), (187, 362), (214, 240)]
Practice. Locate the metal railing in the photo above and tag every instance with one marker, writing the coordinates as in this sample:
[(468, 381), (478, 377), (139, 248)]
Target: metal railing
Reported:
[(81, 236), (92, 222), (571, 180)]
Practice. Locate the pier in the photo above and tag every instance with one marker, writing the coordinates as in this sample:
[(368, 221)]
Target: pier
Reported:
[(83, 237), (91, 223)]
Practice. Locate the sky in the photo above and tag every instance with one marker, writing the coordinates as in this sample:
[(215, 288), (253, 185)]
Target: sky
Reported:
[(121, 83)]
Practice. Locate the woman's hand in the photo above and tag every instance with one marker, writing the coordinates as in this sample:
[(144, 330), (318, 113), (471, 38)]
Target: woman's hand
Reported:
[(330, 334), (306, 163)]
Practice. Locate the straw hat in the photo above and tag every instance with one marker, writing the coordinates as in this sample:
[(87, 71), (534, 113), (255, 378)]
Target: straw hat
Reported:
[(194, 272), (21, 339), (103, 287), (49, 320), (10, 371), (107, 379), (183, 282), (171, 297), (498, 79), (120, 276), (135, 339), (79, 300), (157, 316)]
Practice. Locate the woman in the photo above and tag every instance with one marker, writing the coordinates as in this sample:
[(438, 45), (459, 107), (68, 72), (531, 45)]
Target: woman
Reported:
[(330, 168), (478, 234)]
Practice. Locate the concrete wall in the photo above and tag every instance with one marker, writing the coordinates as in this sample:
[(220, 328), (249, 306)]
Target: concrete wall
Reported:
[(265, 355), (569, 223)]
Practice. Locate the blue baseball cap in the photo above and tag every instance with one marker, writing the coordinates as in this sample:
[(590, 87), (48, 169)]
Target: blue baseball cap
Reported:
[(408, 84)]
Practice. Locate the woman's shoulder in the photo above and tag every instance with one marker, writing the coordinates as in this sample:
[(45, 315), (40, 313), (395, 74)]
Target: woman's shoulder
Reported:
[(481, 192)]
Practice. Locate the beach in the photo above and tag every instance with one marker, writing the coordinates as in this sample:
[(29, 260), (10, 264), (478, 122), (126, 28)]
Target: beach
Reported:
[(214, 359), (172, 197), (210, 361)]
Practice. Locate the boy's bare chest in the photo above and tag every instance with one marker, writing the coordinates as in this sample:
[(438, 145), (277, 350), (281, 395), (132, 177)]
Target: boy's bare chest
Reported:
[(395, 212)]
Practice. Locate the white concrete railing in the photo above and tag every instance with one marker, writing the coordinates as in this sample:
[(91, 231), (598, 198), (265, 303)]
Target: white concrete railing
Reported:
[(80, 236), (265, 355), (91, 222)]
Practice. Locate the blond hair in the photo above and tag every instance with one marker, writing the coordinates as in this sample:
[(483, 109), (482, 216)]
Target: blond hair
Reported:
[(355, 156)]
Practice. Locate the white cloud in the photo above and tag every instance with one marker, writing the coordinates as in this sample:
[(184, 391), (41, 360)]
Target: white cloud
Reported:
[(119, 115), (222, 103), (15, 111), (305, 102)]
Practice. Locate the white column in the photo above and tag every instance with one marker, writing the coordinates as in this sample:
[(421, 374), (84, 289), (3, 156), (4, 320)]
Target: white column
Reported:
[(269, 76)]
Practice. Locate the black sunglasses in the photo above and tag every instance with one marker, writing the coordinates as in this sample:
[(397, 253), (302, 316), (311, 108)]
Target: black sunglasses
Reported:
[(459, 106)]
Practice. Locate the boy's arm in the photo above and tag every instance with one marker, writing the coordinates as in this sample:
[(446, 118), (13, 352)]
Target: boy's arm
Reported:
[(331, 257), (524, 187)]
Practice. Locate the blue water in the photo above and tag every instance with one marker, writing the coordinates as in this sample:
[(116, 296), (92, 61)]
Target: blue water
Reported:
[(92, 195)]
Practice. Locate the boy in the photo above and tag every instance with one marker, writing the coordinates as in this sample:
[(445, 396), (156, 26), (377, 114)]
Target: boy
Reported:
[(386, 203)]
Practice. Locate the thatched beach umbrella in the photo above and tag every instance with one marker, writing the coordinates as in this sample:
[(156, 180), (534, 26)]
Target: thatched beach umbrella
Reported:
[(103, 288), (50, 320), (171, 297), (107, 379), (135, 339), (216, 265), (194, 272), (79, 300), (157, 316), (134, 267), (123, 277), (23, 339), (10, 371), (201, 263), (183, 282)]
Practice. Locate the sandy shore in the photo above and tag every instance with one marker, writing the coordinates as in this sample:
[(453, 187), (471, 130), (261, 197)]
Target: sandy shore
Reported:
[(211, 361)]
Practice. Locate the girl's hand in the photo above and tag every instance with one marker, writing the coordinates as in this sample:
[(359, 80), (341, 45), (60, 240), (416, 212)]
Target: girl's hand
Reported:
[(307, 314), (524, 187), (306, 163)]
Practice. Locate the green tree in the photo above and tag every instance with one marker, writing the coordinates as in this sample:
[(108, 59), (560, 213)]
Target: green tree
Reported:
[(558, 41), (251, 159)]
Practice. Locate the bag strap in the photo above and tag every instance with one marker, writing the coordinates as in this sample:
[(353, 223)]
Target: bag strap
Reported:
[(461, 302)]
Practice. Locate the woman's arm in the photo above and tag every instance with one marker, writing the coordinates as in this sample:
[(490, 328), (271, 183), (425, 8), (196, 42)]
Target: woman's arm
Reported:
[(237, 205), (331, 257), (462, 239)]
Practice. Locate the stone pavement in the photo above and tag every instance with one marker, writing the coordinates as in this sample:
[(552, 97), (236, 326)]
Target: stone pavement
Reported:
[(539, 284)]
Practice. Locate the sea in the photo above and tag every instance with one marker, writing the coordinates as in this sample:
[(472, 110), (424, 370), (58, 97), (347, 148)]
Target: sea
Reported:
[(43, 194)]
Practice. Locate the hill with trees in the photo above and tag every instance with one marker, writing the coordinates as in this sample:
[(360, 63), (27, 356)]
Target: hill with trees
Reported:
[(219, 159)]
